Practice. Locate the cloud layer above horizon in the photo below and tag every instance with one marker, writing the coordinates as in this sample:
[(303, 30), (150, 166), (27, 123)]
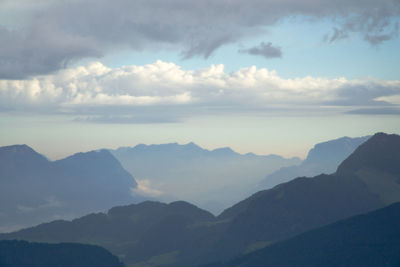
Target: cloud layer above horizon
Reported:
[(164, 92), (39, 37)]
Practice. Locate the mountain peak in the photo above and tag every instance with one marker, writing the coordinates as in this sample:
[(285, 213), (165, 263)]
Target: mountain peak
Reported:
[(94, 155), (21, 152), (334, 150), (224, 151), (381, 152), (18, 149)]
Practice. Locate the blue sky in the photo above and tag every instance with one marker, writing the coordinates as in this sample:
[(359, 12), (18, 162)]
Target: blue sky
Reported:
[(304, 53), (263, 76)]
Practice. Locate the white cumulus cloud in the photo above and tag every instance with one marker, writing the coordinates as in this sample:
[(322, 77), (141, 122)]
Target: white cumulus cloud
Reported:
[(165, 89)]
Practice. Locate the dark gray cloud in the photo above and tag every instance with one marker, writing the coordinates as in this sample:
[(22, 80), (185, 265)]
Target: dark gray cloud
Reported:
[(266, 50), (41, 51), (376, 25), (365, 94), (338, 34), (54, 33)]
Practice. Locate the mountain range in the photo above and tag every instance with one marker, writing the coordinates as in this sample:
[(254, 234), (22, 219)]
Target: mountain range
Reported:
[(211, 179), (371, 239), (324, 157), (180, 234), (34, 189)]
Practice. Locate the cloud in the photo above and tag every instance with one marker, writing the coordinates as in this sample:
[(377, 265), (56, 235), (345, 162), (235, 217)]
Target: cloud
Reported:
[(375, 111), (266, 50), (41, 38), (144, 189), (162, 92), (126, 119), (368, 93), (41, 52), (393, 99), (338, 34)]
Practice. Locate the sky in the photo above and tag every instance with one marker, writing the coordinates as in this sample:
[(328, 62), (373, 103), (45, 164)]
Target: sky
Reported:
[(262, 76)]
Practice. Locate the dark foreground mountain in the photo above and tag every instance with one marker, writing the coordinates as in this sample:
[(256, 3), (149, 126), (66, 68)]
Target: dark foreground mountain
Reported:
[(322, 158), (34, 189), (372, 239), (135, 232), (211, 179), (367, 180), (23, 254)]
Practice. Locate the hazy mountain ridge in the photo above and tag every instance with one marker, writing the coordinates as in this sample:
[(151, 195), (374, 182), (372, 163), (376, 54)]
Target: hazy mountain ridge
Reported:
[(269, 216), (324, 158), (211, 179), (303, 203), (34, 189)]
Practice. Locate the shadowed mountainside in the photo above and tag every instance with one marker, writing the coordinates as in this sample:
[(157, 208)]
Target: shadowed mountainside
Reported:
[(305, 203), (21, 254), (371, 239), (135, 232), (367, 180), (34, 189)]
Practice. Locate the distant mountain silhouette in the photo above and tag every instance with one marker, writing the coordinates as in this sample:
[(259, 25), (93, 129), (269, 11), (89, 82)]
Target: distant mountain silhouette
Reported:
[(179, 234), (212, 179), (322, 158), (34, 189), (25, 254), (372, 239)]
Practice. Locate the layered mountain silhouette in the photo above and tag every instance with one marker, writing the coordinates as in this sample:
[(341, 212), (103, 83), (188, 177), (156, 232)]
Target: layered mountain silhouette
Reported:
[(34, 189), (322, 158), (135, 232), (213, 180), (372, 239), (22, 254), (180, 234), (305, 203)]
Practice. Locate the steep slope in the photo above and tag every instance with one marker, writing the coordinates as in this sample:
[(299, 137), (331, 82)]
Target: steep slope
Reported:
[(35, 190), (380, 153), (305, 203), (322, 158), (372, 239), (213, 180), (156, 234), (95, 178), (292, 208), (21, 254), (377, 164)]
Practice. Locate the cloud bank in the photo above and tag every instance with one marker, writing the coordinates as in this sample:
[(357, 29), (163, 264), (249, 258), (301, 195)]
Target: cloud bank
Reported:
[(164, 92), (38, 38)]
